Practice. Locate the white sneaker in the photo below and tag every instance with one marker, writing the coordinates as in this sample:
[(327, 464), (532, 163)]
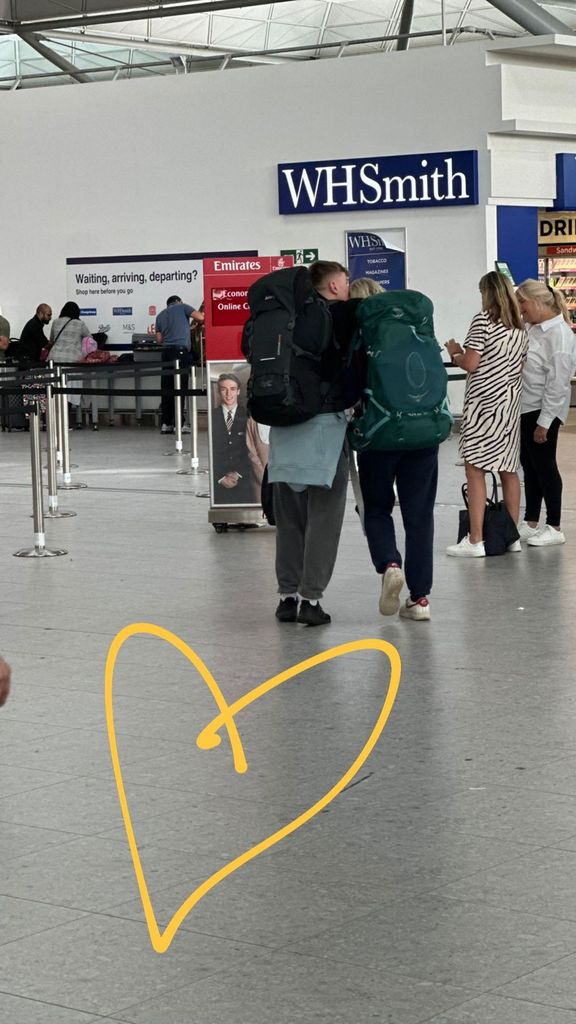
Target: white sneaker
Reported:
[(416, 609), (527, 531), (392, 583), (516, 546), (465, 549), (185, 429), (546, 538)]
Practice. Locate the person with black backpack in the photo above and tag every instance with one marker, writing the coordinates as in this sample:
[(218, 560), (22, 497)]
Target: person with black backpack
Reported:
[(296, 342)]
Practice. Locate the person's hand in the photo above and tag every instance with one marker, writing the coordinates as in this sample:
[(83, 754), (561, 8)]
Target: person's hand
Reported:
[(230, 480), (453, 348), (541, 435), (4, 681)]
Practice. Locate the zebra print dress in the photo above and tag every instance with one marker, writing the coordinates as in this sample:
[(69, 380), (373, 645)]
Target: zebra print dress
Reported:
[(490, 432)]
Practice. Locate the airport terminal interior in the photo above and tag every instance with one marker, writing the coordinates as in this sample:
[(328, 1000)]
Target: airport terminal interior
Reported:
[(208, 816), (437, 887)]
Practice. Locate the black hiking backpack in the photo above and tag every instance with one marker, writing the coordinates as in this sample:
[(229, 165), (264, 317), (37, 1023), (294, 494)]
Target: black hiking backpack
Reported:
[(289, 328)]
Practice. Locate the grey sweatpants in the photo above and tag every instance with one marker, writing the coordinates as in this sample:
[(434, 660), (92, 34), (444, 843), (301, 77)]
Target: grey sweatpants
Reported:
[(308, 528)]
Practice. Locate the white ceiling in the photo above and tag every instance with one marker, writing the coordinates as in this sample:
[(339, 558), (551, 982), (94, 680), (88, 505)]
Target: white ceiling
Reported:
[(92, 40)]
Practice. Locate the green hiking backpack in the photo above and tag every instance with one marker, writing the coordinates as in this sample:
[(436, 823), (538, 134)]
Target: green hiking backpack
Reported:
[(405, 403)]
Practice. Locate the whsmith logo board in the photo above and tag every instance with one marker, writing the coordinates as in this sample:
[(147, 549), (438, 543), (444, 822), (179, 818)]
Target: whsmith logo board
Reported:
[(379, 183)]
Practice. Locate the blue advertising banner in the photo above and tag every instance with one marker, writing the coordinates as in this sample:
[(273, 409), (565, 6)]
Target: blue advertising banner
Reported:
[(379, 183), (380, 255)]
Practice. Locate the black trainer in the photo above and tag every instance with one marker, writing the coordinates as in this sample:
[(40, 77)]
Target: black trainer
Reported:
[(312, 614), (287, 610)]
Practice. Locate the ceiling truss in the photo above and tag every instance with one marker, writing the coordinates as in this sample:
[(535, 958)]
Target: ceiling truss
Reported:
[(54, 41)]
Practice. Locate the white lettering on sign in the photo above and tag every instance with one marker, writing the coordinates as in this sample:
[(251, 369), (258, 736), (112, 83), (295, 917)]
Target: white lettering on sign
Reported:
[(228, 265), (431, 179), (391, 189)]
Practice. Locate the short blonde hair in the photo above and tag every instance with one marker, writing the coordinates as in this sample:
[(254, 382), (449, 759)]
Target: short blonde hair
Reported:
[(544, 295), (364, 287)]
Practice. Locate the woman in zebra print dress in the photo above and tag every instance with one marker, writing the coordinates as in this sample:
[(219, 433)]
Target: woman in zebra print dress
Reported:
[(493, 357)]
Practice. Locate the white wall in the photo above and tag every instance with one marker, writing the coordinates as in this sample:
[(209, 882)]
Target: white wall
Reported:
[(189, 163)]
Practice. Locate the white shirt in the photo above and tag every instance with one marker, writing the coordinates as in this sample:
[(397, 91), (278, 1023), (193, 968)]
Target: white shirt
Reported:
[(549, 365), (226, 410)]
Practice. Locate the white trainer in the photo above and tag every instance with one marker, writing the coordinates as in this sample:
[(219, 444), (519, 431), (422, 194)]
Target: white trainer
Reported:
[(546, 538), (465, 549), (392, 583), (527, 531), (418, 610), (515, 546)]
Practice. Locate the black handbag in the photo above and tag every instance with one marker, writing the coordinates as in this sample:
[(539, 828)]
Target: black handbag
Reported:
[(499, 529), (267, 498)]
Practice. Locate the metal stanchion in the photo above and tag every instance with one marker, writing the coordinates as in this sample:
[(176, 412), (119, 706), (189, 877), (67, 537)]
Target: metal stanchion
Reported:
[(66, 484), (59, 400), (194, 460), (39, 550), (177, 410), (53, 511)]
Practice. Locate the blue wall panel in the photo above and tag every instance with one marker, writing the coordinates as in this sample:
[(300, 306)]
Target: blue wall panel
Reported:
[(518, 240)]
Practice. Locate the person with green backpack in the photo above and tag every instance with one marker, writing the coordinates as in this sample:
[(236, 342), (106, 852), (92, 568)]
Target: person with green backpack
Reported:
[(404, 418)]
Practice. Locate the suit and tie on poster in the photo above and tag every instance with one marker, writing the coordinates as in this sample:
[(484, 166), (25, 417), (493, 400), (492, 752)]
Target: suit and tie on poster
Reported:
[(238, 445)]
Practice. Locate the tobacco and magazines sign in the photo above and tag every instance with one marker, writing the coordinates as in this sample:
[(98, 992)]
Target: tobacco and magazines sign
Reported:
[(379, 183)]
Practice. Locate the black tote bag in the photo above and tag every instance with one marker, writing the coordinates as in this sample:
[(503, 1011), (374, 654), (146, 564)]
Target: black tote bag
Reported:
[(499, 528)]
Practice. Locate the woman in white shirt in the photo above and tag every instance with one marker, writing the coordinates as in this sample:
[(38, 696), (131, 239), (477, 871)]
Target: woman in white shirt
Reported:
[(549, 366)]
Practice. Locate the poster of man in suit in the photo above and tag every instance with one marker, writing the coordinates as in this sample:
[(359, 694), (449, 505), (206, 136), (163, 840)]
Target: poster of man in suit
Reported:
[(238, 452)]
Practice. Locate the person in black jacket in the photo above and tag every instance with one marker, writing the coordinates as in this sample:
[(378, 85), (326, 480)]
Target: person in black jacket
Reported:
[(32, 337), (310, 499)]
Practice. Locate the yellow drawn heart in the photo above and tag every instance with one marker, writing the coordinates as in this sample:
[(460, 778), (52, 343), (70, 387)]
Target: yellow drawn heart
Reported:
[(209, 738)]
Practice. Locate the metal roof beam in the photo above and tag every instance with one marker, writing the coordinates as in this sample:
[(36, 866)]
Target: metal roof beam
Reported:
[(531, 17), (49, 54), (166, 10), (405, 24)]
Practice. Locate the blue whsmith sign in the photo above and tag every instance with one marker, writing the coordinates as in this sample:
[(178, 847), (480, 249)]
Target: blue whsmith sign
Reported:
[(380, 182)]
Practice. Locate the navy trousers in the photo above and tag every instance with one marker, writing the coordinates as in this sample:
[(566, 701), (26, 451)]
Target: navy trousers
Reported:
[(416, 476)]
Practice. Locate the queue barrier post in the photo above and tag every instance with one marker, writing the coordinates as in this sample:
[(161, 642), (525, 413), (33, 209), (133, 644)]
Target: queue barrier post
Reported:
[(59, 400), (54, 512), (194, 461), (177, 411), (178, 407), (66, 484), (39, 550)]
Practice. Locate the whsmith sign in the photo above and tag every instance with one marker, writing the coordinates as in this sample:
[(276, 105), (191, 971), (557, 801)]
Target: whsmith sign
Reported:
[(380, 182)]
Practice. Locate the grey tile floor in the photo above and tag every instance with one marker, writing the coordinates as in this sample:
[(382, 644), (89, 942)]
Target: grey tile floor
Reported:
[(440, 888)]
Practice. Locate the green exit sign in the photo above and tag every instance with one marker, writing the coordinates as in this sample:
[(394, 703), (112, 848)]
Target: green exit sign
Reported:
[(302, 257)]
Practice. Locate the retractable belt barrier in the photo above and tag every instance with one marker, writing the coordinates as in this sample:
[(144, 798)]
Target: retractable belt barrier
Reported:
[(45, 389)]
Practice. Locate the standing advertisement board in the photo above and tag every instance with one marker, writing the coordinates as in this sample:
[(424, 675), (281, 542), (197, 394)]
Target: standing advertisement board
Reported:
[(379, 255), (237, 445), (121, 295)]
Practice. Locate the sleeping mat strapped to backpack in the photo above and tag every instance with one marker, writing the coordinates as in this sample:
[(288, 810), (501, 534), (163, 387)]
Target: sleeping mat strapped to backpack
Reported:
[(405, 403), (288, 330)]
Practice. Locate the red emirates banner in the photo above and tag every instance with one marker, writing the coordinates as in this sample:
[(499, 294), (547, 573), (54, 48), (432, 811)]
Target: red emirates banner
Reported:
[(226, 283)]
